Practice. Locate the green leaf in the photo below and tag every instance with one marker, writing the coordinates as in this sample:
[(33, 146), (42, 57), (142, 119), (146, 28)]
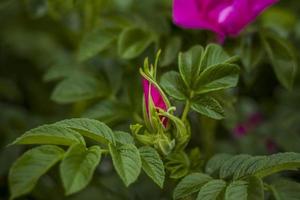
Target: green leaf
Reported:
[(90, 128), (57, 9), (189, 65), (177, 164), (209, 107), (230, 166), (108, 112), (180, 132), (127, 162), (133, 41), (50, 134), (153, 165), (170, 52), (236, 190), (26, 171), (241, 166), (214, 164), (190, 184), (282, 58), (286, 189), (62, 70), (95, 42), (211, 190), (78, 88), (217, 77), (35, 9), (255, 188), (123, 137), (251, 53), (276, 163), (173, 85), (280, 20), (78, 166), (213, 55), (251, 162)]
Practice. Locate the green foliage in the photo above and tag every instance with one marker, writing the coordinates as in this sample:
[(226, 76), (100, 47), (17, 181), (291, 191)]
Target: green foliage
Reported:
[(178, 164), (90, 128), (230, 166), (50, 134), (240, 166), (236, 190), (79, 88), (34, 163), (209, 107), (190, 184), (211, 190), (173, 85), (124, 137), (133, 41), (189, 64), (243, 175), (282, 58), (108, 111), (285, 189), (79, 162), (171, 50), (251, 53), (88, 53), (214, 164), (78, 166), (153, 165), (61, 71), (127, 162), (255, 188), (94, 42), (215, 55), (201, 73), (217, 77)]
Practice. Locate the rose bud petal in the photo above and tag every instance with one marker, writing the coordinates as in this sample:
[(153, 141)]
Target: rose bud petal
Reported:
[(152, 93)]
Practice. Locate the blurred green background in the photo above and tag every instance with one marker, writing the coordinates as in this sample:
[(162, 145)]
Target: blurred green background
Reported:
[(79, 58)]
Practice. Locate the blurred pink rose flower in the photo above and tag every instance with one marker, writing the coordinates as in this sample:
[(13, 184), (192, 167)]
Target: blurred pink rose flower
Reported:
[(252, 122), (150, 91), (255, 119), (224, 17), (240, 130)]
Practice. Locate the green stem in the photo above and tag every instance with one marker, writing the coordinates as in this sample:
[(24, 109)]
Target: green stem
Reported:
[(187, 107), (186, 110)]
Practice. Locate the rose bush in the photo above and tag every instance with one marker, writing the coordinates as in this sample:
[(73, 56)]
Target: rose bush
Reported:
[(123, 99)]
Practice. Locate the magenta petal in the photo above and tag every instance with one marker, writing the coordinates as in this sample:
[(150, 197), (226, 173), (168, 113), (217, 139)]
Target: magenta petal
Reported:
[(224, 17), (240, 130), (241, 13), (187, 14)]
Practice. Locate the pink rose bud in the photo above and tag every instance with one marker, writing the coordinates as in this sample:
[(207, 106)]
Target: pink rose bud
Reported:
[(151, 93), (224, 17)]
